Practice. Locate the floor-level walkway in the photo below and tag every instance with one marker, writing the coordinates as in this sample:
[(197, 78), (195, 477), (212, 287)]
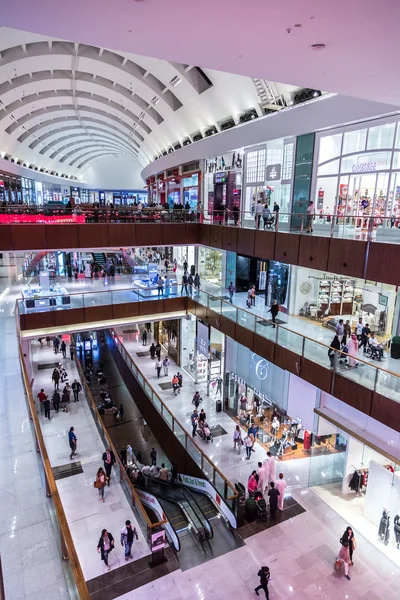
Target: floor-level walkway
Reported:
[(85, 512)]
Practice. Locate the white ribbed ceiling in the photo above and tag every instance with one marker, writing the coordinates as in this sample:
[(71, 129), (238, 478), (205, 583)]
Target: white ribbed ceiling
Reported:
[(65, 105)]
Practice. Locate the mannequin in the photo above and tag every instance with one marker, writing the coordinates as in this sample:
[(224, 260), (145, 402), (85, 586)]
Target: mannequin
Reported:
[(275, 426), (271, 460), (397, 531), (384, 527), (282, 442)]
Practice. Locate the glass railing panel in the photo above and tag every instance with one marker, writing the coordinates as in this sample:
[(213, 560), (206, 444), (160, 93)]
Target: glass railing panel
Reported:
[(290, 340), (123, 296), (317, 353), (71, 301), (194, 452), (202, 298), (157, 403), (219, 484), (388, 385), (180, 434), (148, 389), (245, 319), (266, 329), (167, 416), (140, 379), (214, 304), (97, 299), (229, 311), (208, 468), (363, 374)]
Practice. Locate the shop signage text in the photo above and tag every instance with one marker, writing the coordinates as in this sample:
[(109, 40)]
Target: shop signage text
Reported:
[(273, 172), (205, 486), (364, 167)]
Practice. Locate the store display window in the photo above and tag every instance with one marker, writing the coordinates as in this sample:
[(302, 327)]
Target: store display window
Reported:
[(210, 265)]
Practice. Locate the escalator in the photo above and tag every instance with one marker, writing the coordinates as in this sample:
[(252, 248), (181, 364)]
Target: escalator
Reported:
[(99, 258)]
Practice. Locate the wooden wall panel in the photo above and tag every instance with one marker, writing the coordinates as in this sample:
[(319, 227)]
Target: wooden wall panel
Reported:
[(171, 234), (352, 393), (228, 327), (264, 347), (172, 304), (244, 336), (191, 306), (69, 317), (121, 235), (152, 307), (192, 233), (288, 360), (229, 238), (346, 257), (319, 376), (6, 242), (216, 232), (313, 252), (98, 313), (29, 237), (287, 248), (39, 320), (94, 235), (62, 236), (148, 234), (129, 309), (204, 237), (246, 241), (384, 263), (385, 411), (264, 246)]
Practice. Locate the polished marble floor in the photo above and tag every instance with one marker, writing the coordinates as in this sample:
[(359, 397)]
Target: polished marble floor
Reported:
[(85, 512)]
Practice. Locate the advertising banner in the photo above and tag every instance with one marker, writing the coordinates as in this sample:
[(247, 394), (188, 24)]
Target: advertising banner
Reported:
[(151, 501), (205, 486), (202, 339)]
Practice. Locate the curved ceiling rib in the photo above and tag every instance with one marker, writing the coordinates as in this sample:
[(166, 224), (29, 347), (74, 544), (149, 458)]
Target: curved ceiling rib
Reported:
[(26, 103), (105, 57), (80, 143), (94, 157), (76, 153), (66, 107), (45, 124), (84, 137), (91, 153), (95, 80)]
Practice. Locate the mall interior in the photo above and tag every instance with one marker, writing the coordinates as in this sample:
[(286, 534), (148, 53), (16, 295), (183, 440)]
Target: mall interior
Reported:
[(200, 304)]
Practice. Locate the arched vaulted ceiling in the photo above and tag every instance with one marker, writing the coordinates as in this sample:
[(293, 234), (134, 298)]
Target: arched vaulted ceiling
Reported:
[(63, 104)]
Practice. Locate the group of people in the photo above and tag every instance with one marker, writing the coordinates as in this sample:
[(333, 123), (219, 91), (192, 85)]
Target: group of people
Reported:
[(347, 344), (107, 543), (263, 211), (190, 284), (264, 477)]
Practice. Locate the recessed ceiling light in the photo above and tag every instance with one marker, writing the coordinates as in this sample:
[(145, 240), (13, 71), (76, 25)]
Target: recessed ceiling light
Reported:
[(317, 47), (141, 1), (297, 25)]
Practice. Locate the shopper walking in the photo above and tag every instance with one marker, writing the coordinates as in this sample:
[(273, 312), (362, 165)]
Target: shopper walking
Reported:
[(105, 546), (64, 349), (56, 344), (165, 365), (65, 398), (41, 397), (196, 400), (274, 311), (252, 484), (280, 485), (340, 330), (248, 444), (153, 456), (158, 367), (108, 460), (71, 351), (253, 295), (175, 385), (190, 284), (352, 349), (237, 439), (310, 216), (160, 286), (359, 328), (158, 350), (197, 283), (348, 537), (273, 495), (265, 576), (202, 416), (73, 441), (271, 467), (258, 212), (100, 483), (194, 418), (231, 290), (261, 478), (144, 338), (152, 351), (365, 333), (333, 352), (347, 333), (56, 401), (56, 378), (128, 534), (344, 558), (184, 285), (46, 406), (76, 388)]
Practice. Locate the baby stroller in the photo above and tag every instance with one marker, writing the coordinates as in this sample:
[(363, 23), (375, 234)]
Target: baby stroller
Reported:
[(344, 357), (204, 432), (261, 506), (269, 222)]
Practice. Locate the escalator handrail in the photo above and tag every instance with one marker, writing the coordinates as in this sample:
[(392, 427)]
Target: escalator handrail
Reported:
[(206, 523)]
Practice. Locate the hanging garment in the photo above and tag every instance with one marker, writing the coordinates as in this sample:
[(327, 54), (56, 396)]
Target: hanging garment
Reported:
[(384, 528), (364, 480), (355, 482), (396, 525)]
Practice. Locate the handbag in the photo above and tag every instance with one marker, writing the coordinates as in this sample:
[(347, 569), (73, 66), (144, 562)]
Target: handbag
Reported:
[(354, 543), (97, 484), (338, 564)]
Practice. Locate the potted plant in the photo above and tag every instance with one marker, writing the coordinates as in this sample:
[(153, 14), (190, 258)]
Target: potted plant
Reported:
[(395, 347)]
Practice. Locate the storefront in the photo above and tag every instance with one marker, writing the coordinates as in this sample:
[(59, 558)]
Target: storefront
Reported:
[(211, 264), (167, 334), (184, 254), (268, 177), (223, 178), (190, 191), (324, 297), (202, 354), (270, 277), (357, 174), (16, 190)]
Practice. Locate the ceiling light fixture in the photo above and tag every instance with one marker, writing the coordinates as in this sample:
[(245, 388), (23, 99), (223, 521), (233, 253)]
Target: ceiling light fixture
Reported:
[(315, 47)]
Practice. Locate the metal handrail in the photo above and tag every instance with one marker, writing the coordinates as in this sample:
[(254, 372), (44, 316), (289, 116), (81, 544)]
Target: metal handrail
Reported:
[(174, 419), (68, 548), (123, 473)]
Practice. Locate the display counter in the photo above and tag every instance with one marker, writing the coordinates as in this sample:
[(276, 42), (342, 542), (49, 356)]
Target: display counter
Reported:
[(35, 299), (148, 288)]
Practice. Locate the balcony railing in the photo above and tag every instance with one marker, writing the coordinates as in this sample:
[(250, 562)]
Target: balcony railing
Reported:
[(369, 375)]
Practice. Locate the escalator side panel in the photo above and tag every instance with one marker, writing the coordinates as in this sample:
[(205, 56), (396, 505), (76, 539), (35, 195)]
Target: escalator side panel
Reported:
[(153, 503)]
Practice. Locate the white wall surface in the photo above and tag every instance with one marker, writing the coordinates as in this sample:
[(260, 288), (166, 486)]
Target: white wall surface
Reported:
[(114, 172), (301, 401)]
